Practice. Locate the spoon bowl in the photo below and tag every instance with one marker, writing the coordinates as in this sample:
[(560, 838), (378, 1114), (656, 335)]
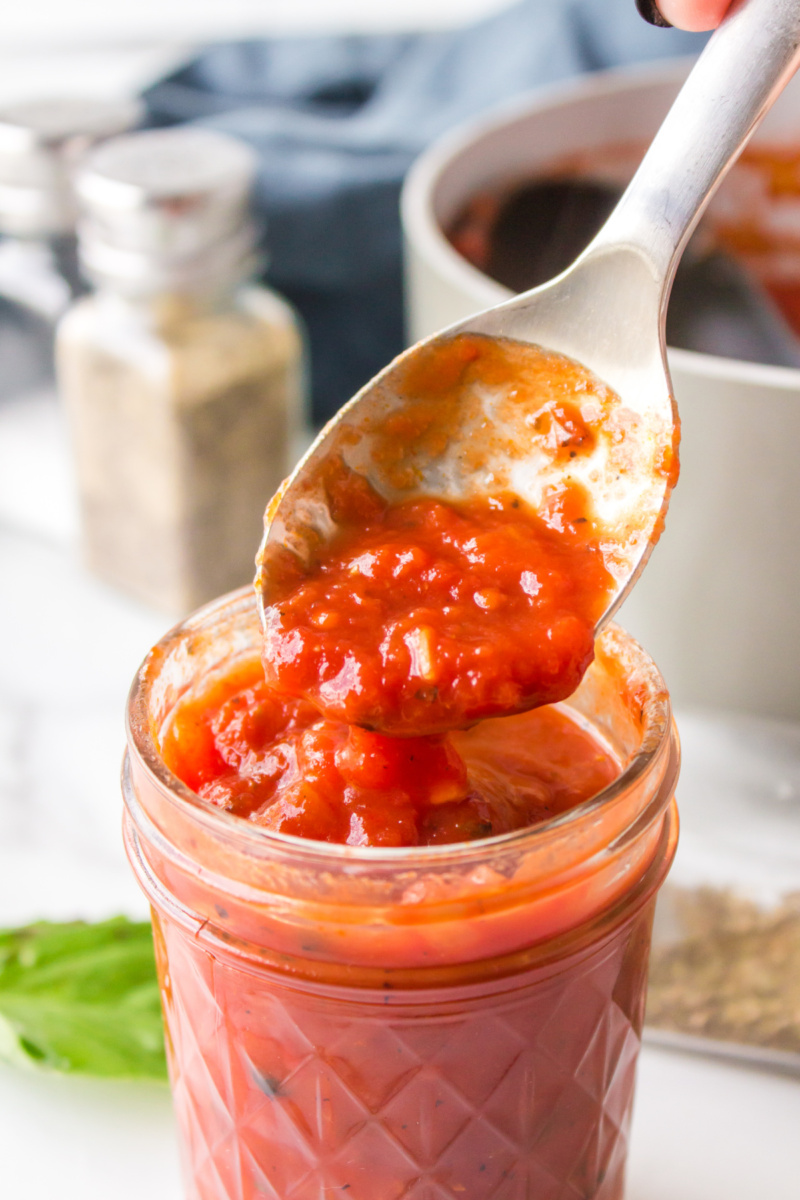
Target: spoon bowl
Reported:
[(606, 312)]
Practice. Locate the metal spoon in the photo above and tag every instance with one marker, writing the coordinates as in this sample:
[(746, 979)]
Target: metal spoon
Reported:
[(607, 312)]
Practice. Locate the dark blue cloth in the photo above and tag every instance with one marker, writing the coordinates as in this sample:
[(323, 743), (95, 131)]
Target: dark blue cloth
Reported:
[(336, 122)]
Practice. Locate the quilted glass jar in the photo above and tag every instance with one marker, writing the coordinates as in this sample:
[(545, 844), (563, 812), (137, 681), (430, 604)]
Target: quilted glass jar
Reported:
[(456, 1022)]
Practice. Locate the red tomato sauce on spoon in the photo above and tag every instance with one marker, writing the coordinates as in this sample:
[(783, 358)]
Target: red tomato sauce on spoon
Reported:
[(423, 617)]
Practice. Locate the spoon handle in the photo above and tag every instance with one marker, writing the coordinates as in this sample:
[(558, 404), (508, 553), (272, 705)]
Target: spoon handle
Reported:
[(741, 71)]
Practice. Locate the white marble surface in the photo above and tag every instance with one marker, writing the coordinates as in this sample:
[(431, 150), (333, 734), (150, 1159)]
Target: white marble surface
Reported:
[(70, 646)]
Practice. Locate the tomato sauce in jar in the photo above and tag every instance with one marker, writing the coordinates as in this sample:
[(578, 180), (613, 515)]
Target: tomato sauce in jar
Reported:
[(277, 763), (457, 1020)]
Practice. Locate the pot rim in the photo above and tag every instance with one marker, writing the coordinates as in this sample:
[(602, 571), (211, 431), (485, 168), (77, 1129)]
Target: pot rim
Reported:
[(423, 231)]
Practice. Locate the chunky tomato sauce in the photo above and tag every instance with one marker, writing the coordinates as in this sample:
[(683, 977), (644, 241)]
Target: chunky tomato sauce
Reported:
[(274, 761), (422, 618)]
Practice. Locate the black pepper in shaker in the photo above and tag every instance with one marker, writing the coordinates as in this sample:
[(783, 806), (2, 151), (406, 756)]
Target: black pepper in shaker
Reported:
[(182, 380)]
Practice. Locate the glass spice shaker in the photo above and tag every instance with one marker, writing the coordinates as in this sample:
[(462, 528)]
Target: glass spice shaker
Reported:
[(183, 381), (41, 143)]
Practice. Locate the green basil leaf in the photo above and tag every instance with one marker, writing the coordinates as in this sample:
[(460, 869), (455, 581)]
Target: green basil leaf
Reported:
[(82, 997)]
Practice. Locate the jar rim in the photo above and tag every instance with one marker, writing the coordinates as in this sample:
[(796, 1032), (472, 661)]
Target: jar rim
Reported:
[(658, 733)]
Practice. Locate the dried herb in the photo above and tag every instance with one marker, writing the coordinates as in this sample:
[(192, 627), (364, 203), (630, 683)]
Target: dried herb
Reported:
[(734, 974)]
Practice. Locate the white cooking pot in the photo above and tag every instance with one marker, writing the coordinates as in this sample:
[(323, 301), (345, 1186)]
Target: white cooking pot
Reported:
[(719, 603)]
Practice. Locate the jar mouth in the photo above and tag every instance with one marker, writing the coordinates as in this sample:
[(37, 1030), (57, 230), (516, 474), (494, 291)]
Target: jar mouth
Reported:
[(648, 694)]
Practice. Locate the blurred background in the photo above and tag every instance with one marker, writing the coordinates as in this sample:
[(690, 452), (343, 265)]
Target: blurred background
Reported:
[(178, 314)]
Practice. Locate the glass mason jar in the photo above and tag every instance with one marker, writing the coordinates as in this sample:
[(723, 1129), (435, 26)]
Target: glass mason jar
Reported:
[(454, 1022)]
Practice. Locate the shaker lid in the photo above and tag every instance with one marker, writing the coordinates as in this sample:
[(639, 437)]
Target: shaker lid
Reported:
[(166, 208), (41, 142), (168, 192)]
